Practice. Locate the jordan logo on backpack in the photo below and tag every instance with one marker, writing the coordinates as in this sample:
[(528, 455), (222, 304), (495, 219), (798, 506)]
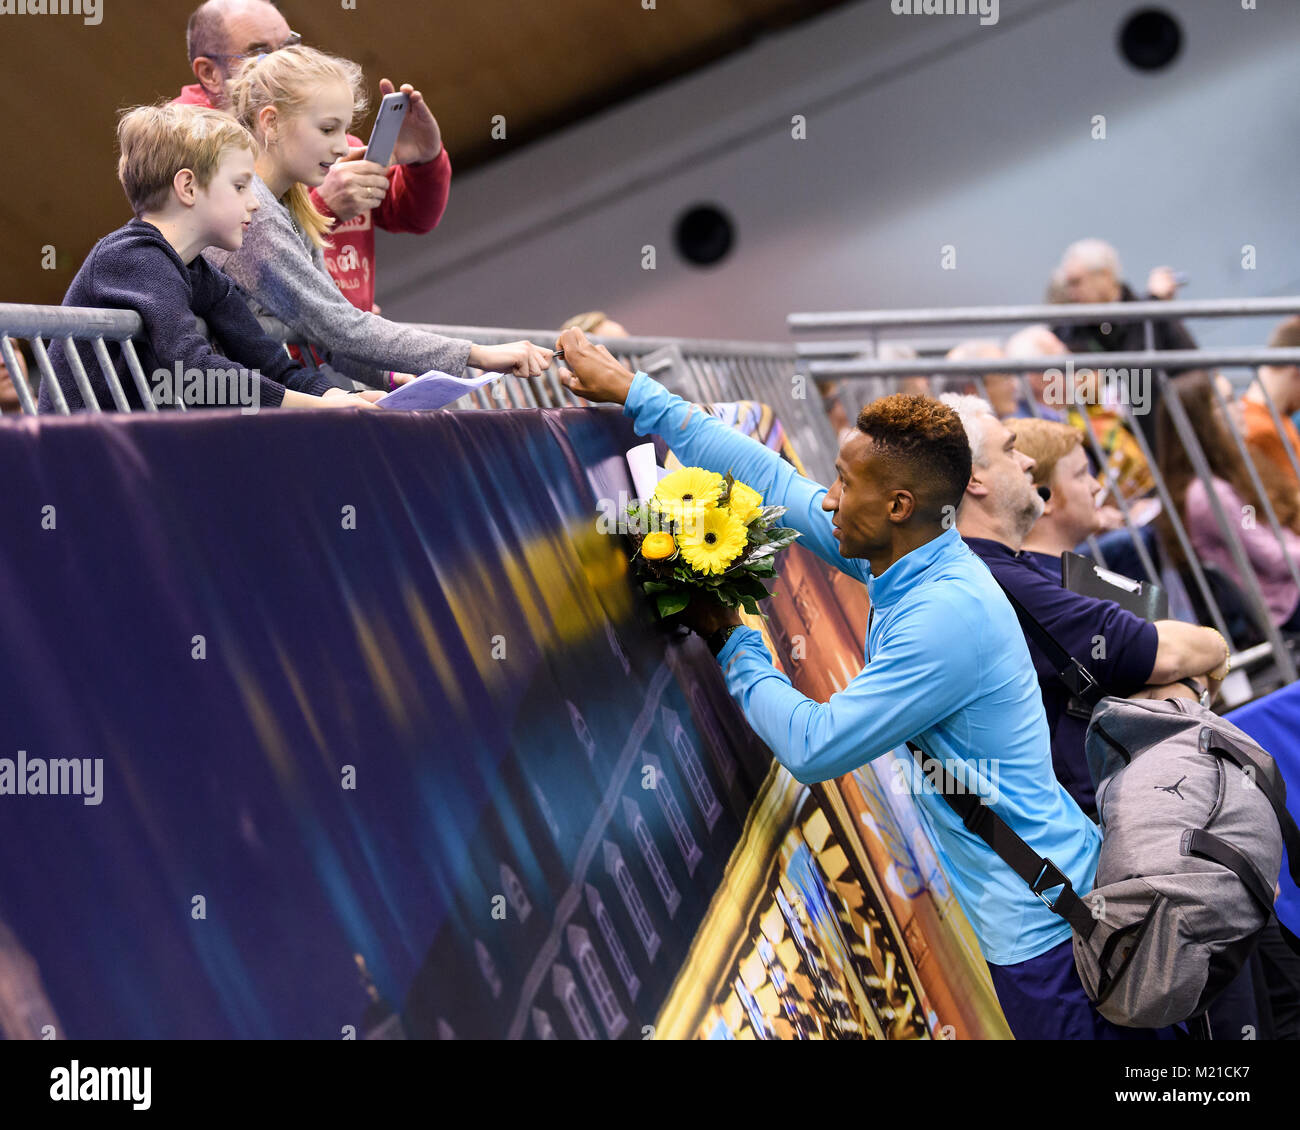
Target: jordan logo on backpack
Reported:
[(1173, 788)]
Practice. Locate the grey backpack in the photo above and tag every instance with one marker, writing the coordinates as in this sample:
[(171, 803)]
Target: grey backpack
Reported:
[(1193, 817)]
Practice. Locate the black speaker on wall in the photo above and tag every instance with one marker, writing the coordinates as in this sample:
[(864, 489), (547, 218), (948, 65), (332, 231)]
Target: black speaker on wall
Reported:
[(1150, 39), (704, 235)]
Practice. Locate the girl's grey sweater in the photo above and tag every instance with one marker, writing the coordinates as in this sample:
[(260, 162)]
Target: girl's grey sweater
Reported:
[(283, 274)]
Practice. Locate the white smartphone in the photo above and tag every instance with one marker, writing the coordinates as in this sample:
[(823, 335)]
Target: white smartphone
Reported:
[(392, 112)]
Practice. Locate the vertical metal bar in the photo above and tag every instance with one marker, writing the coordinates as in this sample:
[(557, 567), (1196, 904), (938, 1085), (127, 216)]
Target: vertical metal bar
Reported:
[(758, 384), (713, 383), (565, 396), (110, 374), (800, 417), (513, 387), (137, 375), (1180, 531), (1256, 482), (88, 397), (702, 381), (706, 383), (57, 398), (511, 391), (690, 381), (1291, 454), (728, 381), (1148, 566), (21, 387), (554, 389), (804, 419), (1186, 434)]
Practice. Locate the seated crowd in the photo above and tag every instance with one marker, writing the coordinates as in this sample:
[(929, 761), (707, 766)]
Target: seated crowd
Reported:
[(250, 197)]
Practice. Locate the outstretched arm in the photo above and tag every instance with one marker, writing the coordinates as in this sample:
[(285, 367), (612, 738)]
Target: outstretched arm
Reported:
[(915, 679), (276, 269), (701, 440)]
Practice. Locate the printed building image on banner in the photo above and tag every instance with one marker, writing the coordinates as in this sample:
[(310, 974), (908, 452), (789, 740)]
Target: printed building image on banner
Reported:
[(395, 750)]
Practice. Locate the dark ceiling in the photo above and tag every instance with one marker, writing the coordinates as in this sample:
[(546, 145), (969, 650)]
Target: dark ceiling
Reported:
[(541, 64)]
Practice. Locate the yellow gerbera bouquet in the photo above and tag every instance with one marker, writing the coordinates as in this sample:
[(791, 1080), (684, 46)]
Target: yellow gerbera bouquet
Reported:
[(702, 533)]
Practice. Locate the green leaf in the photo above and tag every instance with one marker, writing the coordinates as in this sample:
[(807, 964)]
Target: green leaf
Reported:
[(781, 538), (672, 602), (752, 586)]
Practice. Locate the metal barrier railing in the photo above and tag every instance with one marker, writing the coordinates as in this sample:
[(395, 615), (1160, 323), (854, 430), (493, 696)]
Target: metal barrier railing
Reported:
[(702, 370), (705, 370), (1161, 310), (858, 358)]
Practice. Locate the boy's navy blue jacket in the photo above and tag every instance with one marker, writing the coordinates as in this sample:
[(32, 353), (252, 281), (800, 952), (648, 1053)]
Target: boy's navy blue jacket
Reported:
[(1117, 647), (135, 268)]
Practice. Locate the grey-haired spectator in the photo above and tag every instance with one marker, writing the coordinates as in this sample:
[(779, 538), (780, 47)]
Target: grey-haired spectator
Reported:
[(1002, 388), (1090, 272), (1049, 395)]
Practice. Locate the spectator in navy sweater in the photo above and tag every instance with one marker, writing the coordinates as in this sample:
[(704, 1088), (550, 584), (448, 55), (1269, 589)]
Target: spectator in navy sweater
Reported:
[(1125, 654), (187, 173)]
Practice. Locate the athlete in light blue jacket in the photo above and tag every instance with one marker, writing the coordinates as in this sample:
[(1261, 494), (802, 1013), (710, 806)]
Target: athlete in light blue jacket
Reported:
[(947, 664)]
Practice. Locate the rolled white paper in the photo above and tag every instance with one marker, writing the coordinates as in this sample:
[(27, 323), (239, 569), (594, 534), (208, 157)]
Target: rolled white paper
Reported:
[(646, 472)]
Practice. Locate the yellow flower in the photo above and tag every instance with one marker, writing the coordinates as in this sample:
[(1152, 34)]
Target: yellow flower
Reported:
[(745, 502), (687, 491), (713, 541), (658, 547)]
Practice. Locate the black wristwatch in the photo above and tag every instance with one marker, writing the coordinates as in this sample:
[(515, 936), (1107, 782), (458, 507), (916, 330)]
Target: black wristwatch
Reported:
[(718, 640), (1202, 696)]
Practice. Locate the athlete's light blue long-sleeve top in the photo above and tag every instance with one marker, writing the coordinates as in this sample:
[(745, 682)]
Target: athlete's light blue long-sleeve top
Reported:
[(947, 667)]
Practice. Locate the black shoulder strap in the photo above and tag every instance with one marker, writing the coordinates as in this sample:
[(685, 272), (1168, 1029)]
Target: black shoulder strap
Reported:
[(1041, 874), (1077, 678)]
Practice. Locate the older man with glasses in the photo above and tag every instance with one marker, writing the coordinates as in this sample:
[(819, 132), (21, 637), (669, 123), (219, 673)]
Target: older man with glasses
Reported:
[(1090, 272), (410, 196)]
